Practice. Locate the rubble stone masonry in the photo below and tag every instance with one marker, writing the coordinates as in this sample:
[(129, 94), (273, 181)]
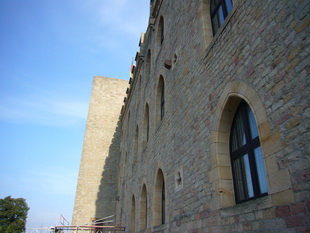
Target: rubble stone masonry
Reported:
[(175, 171)]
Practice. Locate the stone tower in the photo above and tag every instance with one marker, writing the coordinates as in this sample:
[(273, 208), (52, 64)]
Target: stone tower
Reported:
[(96, 189)]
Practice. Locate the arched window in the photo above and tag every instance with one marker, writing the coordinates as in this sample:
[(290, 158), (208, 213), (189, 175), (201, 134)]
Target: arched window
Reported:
[(219, 9), (143, 209), (247, 161), (159, 216), (146, 125), (148, 65), (160, 100), (133, 214)]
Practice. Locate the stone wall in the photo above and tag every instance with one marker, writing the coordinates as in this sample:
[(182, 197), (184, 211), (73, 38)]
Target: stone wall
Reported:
[(96, 189), (259, 55)]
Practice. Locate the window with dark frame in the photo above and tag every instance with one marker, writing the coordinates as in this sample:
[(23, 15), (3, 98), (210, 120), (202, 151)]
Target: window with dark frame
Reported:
[(247, 160), (219, 9)]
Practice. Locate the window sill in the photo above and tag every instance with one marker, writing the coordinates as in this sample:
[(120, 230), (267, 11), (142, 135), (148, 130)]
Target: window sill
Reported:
[(249, 206)]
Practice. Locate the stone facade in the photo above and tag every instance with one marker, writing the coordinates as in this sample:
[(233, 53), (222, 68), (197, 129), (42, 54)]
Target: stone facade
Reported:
[(175, 170), (96, 190)]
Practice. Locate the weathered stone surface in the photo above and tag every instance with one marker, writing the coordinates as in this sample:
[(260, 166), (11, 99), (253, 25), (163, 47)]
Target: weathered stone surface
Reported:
[(96, 189), (259, 55)]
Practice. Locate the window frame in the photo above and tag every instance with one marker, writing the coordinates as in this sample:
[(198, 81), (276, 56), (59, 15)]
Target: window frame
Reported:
[(215, 12), (246, 149)]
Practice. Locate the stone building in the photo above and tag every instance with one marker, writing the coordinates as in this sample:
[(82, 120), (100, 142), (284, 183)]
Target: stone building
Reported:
[(213, 135)]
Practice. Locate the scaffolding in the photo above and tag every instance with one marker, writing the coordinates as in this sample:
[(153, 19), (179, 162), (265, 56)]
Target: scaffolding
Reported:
[(101, 225)]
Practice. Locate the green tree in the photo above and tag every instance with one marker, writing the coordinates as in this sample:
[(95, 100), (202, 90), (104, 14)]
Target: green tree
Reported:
[(13, 215)]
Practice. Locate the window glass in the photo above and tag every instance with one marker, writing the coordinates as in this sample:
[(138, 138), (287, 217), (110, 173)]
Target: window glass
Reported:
[(219, 9), (261, 170), (238, 132), (252, 122), (228, 5), (247, 160), (243, 178), (221, 15)]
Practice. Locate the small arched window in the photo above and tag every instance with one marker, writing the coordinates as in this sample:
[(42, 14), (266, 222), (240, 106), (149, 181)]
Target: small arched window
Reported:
[(146, 125), (247, 161), (133, 214), (148, 65), (160, 100), (219, 9), (159, 216), (143, 209)]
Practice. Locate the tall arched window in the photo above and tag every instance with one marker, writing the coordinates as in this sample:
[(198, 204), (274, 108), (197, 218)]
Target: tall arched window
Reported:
[(160, 100), (133, 215), (143, 209), (148, 65), (159, 216), (247, 161), (146, 125), (161, 34), (219, 9)]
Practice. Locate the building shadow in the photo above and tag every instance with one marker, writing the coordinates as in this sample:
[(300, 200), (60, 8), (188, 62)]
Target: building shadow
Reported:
[(107, 194)]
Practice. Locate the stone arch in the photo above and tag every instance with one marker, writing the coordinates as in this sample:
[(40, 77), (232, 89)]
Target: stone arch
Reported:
[(159, 199), (148, 65), (160, 34), (143, 208), (133, 214), (205, 16), (220, 171), (160, 100)]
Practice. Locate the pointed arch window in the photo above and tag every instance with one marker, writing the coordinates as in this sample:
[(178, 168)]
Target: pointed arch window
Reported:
[(146, 125), (160, 101), (133, 214), (148, 65), (143, 209), (159, 216), (247, 161), (219, 9)]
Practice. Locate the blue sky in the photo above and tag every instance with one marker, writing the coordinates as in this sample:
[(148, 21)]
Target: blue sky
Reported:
[(49, 52)]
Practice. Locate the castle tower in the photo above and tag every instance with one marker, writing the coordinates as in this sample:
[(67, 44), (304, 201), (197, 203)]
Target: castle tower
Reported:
[(96, 188)]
